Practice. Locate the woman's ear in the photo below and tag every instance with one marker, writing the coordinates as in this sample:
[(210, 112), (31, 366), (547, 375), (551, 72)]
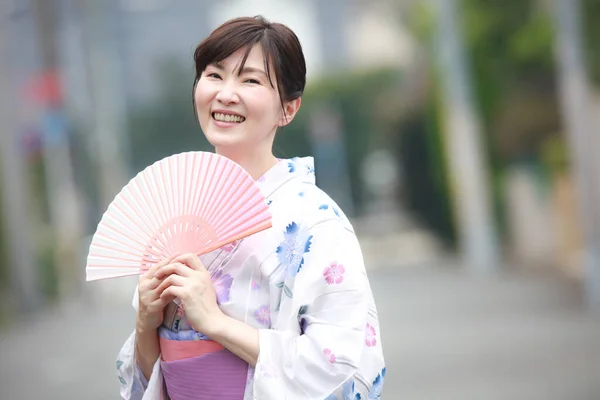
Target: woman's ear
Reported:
[(290, 109)]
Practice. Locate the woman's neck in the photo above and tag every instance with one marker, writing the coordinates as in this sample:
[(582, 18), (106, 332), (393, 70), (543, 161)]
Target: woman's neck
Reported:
[(255, 163)]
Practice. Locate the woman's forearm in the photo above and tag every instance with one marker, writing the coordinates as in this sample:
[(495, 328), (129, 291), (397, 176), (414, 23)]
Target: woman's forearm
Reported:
[(239, 338), (147, 350)]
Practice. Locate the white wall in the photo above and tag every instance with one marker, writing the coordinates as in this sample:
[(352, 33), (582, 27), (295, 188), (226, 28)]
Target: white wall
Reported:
[(299, 16)]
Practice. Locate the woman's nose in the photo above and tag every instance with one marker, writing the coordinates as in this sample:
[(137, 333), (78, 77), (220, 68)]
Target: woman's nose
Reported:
[(228, 94)]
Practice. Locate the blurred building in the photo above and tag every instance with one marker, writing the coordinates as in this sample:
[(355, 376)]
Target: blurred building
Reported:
[(334, 34)]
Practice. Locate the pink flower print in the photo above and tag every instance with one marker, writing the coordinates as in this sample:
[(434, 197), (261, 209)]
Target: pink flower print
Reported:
[(263, 315), (229, 247), (255, 285), (330, 356), (334, 273), (222, 284), (267, 370), (370, 336)]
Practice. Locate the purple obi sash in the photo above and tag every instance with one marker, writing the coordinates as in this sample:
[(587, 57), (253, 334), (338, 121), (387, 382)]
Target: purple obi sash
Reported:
[(208, 372)]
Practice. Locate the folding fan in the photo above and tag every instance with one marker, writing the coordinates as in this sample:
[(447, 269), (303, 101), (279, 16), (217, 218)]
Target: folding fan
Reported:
[(193, 202)]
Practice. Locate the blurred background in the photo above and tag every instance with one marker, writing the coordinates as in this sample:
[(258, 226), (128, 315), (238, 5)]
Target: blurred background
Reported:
[(460, 136)]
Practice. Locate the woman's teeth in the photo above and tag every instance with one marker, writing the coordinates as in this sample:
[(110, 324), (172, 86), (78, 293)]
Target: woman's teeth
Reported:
[(228, 117)]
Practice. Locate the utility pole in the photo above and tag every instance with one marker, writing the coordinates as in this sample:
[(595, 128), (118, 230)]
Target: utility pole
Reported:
[(331, 17), (468, 164), (64, 202), (107, 140), (15, 195), (582, 135)]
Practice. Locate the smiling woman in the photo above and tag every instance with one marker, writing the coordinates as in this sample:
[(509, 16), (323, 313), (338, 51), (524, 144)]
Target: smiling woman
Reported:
[(290, 315), (248, 83)]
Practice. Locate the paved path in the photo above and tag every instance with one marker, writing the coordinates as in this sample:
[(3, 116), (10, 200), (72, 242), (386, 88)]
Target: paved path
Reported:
[(447, 335)]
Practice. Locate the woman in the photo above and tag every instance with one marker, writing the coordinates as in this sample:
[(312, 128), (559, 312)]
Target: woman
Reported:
[(291, 304)]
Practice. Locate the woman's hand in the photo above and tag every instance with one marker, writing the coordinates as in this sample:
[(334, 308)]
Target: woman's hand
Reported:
[(151, 304), (187, 279)]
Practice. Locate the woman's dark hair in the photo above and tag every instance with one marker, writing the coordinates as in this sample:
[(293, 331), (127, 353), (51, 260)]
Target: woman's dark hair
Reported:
[(280, 45)]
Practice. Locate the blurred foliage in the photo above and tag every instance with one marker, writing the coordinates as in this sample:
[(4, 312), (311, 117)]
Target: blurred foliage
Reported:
[(510, 46), (47, 270), (591, 21), (510, 50), (4, 277), (427, 191), (555, 154), (43, 247), (43, 239)]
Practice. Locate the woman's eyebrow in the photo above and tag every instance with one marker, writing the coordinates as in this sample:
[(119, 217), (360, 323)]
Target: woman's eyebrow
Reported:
[(250, 70), (245, 70)]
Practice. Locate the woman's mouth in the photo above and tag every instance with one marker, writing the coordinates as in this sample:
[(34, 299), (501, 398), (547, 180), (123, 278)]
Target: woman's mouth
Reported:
[(231, 118)]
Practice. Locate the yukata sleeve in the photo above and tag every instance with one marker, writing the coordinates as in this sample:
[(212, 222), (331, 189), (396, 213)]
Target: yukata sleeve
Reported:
[(133, 385), (316, 344)]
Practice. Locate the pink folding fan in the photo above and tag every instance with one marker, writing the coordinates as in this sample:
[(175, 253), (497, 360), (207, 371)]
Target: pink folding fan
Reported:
[(193, 202)]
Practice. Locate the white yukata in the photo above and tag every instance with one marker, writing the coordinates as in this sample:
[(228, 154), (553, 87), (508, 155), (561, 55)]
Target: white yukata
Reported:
[(303, 285)]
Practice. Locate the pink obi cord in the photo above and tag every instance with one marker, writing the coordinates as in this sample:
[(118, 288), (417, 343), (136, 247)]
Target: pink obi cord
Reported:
[(202, 369)]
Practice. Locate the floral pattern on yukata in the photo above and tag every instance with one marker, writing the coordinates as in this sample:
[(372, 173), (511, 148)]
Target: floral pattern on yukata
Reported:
[(375, 393), (334, 273), (370, 336), (263, 315), (222, 283), (295, 244)]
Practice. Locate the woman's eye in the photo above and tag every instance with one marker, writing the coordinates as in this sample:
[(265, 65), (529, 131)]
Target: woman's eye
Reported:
[(213, 75), (254, 81)]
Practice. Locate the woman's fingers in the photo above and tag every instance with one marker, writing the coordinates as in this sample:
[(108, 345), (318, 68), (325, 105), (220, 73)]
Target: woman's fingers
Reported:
[(148, 275), (172, 292), (148, 281), (171, 280), (191, 260), (161, 302), (175, 268)]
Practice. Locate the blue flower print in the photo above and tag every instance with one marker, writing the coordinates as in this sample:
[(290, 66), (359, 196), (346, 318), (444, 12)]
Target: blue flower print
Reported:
[(347, 393), (348, 390), (291, 167), (301, 194), (310, 170), (183, 335), (303, 325), (375, 393), (291, 251), (323, 206), (336, 211)]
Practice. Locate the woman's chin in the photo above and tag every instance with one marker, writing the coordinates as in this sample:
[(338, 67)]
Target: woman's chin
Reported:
[(224, 140), (230, 148)]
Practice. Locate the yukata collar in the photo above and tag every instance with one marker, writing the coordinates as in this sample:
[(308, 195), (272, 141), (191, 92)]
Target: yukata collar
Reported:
[(297, 168)]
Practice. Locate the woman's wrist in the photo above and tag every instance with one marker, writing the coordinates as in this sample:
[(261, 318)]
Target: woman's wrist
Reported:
[(217, 326), (236, 336), (147, 349)]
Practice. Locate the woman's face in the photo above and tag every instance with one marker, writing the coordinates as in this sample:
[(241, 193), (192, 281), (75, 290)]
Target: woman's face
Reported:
[(239, 111)]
